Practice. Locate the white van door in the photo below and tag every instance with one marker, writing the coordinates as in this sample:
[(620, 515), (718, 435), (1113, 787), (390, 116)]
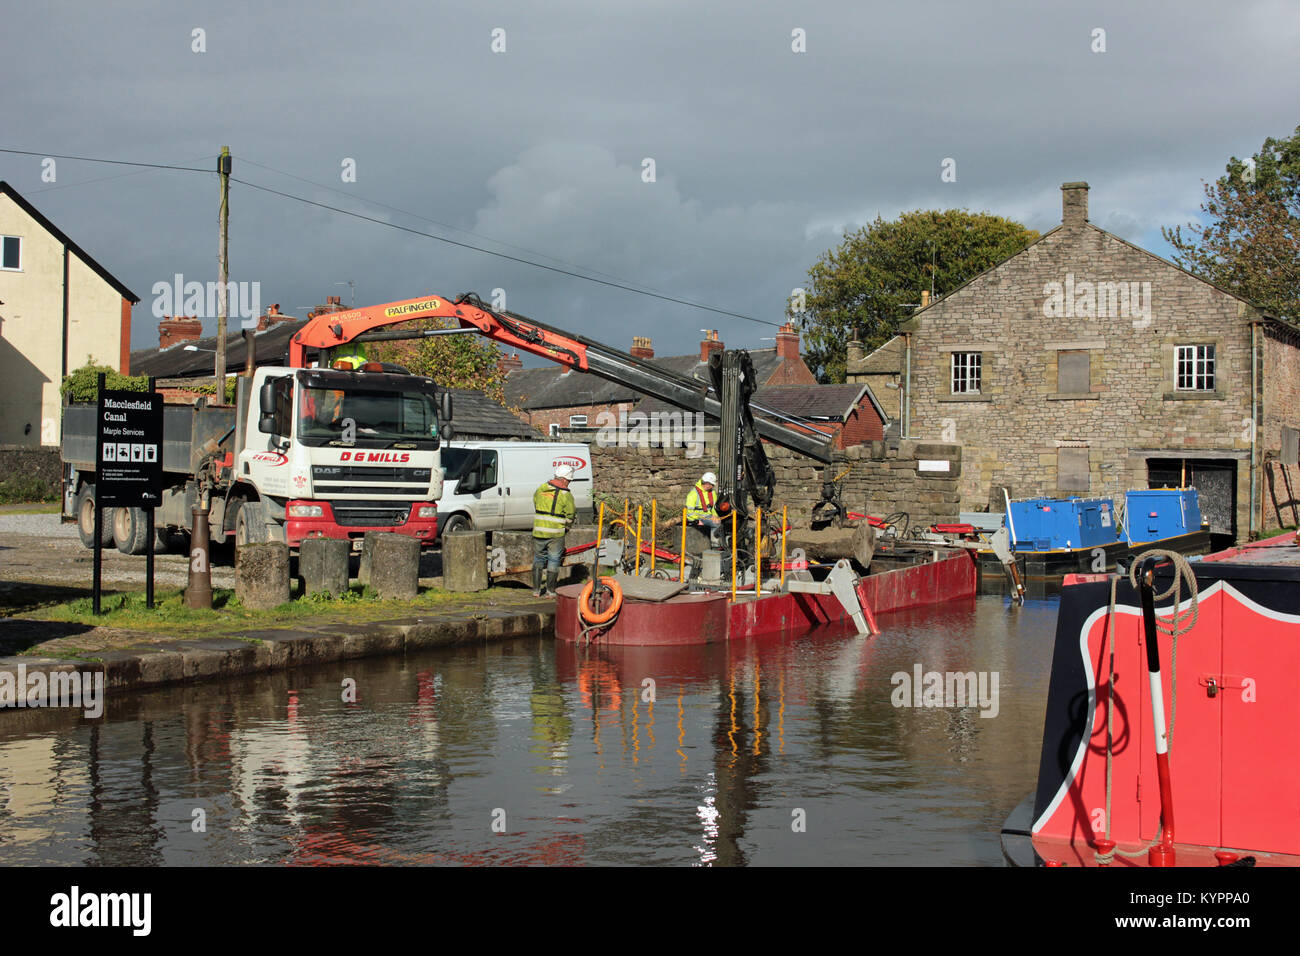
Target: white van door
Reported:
[(480, 489)]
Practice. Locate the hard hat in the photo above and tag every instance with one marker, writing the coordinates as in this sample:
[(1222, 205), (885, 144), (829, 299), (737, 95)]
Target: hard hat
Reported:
[(709, 478), (564, 471)]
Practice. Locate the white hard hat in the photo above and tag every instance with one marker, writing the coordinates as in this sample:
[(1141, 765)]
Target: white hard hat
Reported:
[(564, 471), (709, 478)]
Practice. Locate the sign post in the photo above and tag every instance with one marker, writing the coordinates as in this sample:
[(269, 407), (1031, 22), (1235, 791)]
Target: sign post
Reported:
[(128, 455)]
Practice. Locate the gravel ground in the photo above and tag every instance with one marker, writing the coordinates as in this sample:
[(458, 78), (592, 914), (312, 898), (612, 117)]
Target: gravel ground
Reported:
[(47, 526)]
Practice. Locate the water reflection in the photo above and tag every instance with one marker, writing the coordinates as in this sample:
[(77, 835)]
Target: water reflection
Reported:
[(780, 750)]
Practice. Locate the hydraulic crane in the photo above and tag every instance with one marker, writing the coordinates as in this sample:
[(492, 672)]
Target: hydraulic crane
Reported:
[(727, 397)]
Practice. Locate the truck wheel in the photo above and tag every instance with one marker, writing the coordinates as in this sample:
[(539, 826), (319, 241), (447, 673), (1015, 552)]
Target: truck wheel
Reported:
[(456, 523), (130, 530), (86, 519), (250, 524)]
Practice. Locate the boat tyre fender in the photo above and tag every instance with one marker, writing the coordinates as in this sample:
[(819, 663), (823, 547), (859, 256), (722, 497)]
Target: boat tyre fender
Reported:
[(588, 613)]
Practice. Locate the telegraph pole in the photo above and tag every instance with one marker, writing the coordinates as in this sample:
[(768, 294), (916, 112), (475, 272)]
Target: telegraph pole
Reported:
[(219, 364)]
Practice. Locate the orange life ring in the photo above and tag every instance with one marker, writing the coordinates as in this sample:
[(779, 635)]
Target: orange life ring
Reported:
[(585, 610)]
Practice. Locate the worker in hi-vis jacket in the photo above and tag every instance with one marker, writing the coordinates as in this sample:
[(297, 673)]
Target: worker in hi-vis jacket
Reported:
[(553, 512)]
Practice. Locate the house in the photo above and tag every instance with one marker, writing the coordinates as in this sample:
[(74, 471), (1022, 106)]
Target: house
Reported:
[(183, 356), (1085, 365), (57, 306), (553, 398), (850, 414)]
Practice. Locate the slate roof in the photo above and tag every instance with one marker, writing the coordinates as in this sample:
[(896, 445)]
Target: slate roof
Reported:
[(474, 415), (269, 348), (536, 388), (823, 403)]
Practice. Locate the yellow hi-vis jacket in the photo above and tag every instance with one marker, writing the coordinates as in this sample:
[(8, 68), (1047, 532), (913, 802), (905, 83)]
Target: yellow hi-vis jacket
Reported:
[(701, 503), (553, 509)]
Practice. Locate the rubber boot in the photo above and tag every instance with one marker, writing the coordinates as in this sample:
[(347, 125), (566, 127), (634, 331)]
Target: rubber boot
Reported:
[(552, 581), (537, 582)]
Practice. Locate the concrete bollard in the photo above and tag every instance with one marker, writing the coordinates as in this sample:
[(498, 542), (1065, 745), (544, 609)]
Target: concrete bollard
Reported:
[(464, 561), (262, 575), (510, 552), (323, 565), (395, 566), (367, 550)]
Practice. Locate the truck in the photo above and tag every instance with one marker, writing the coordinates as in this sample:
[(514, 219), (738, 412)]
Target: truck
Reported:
[(320, 452)]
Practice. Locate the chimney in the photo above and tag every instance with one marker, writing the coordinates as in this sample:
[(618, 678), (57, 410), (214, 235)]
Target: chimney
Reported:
[(334, 300), (787, 343), (1074, 204), (641, 347), (509, 363), (272, 317), (174, 330), (710, 344), (925, 298)]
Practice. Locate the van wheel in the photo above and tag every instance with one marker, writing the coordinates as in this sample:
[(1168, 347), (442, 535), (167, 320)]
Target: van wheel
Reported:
[(457, 523), (130, 530), (86, 519)]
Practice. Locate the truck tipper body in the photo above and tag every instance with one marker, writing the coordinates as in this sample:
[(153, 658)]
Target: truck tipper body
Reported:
[(305, 452)]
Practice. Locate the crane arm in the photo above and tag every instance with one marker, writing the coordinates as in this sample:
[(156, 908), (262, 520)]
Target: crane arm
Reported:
[(528, 335)]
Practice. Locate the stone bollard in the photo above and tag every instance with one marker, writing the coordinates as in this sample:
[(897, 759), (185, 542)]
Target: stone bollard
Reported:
[(395, 566), (262, 575), (323, 565), (464, 561), (367, 550), (510, 552)]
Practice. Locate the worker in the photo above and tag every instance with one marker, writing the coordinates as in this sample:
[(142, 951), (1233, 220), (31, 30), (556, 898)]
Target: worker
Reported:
[(553, 512), (702, 504), (354, 358)]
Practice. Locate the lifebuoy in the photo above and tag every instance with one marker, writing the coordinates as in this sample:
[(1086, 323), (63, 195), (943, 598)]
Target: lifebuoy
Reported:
[(590, 615)]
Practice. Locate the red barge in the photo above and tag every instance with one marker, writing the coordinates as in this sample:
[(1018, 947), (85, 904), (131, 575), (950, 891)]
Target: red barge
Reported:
[(713, 616), (1112, 781)]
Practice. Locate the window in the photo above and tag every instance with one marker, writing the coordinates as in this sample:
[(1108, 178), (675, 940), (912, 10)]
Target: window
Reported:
[(554, 429), (965, 373), (577, 421), (1072, 373), (1072, 469), (11, 253), (1194, 368)]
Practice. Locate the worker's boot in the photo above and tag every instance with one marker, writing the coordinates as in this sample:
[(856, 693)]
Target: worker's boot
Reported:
[(552, 581), (537, 582)]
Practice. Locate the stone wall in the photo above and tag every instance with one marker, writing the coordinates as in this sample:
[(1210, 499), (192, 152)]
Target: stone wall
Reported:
[(1060, 297), (879, 481), (27, 461)]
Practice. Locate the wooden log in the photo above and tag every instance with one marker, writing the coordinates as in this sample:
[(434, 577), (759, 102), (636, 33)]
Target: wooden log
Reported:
[(464, 561), (323, 565), (828, 545), (395, 566)]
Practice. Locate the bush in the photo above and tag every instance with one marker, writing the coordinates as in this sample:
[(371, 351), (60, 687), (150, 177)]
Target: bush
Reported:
[(82, 384), (26, 489)]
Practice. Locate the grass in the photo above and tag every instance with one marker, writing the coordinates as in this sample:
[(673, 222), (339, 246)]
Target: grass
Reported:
[(26, 489), (228, 617)]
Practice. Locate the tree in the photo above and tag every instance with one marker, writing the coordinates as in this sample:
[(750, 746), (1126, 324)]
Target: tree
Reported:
[(456, 361), (870, 282), (1250, 241)]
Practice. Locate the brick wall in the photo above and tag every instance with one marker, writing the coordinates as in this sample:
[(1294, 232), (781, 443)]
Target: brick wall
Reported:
[(543, 418), (1013, 431), (879, 482), (1281, 408)]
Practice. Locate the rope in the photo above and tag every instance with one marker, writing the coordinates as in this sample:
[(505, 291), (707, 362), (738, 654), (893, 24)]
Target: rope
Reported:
[(1176, 624)]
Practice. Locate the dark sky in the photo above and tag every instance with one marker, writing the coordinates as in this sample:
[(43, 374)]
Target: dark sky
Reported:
[(763, 156)]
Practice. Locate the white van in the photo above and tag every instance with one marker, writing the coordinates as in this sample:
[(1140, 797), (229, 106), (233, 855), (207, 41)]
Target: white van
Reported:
[(489, 485)]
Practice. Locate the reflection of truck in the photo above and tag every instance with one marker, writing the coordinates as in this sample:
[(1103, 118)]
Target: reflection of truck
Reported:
[(306, 452), (489, 485)]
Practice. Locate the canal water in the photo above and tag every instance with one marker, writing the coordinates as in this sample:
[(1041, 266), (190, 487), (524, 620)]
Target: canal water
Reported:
[(779, 750)]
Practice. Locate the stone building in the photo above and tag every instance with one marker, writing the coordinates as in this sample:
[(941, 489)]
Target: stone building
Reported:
[(1085, 365)]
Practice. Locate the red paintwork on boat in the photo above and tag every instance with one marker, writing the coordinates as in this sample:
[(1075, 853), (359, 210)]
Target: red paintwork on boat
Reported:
[(1233, 755), (713, 617)]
